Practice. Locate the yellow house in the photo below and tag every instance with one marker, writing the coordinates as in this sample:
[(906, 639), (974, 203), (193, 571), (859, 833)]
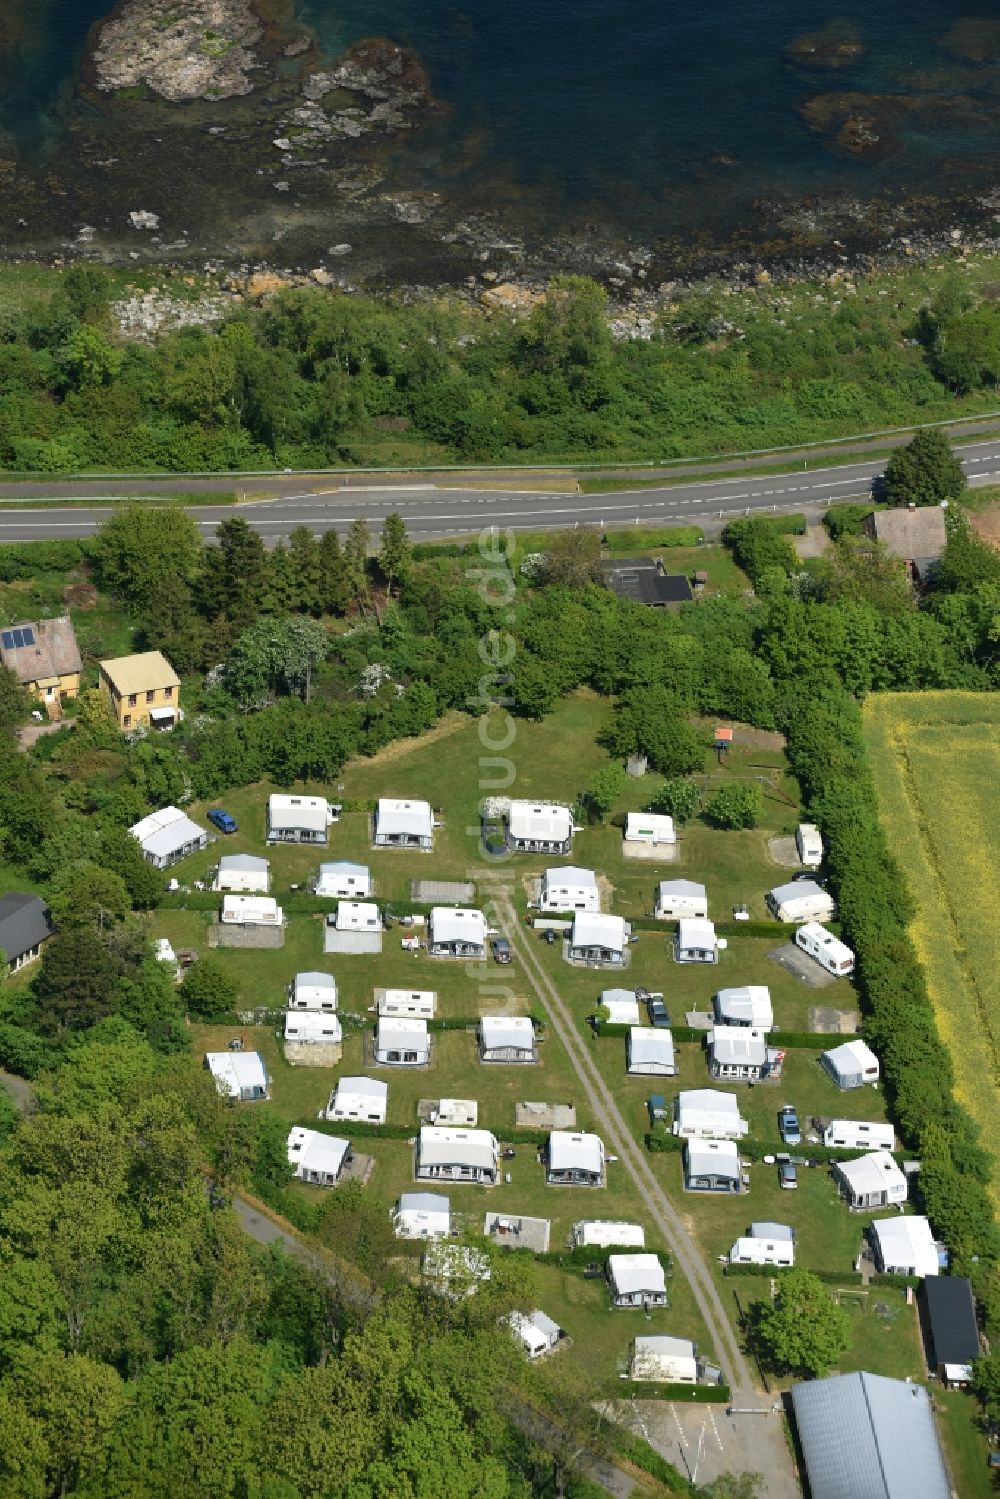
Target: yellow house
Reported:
[(45, 659), (143, 689)]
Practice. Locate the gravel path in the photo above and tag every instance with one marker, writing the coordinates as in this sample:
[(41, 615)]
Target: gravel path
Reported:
[(779, 1473)]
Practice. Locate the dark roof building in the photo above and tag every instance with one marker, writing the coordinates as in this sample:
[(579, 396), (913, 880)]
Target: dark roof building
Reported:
[(25, 923), (867, 1437), (949, 1325), (916, 534), (644, 580)]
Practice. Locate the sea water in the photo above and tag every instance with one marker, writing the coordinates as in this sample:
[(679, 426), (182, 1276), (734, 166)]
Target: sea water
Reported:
[(664, 116)]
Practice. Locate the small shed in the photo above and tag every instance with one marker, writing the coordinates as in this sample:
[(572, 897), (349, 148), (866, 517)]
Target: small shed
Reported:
[(663, 1360), (695, 941), (239, 1074), (361, 1098), (851, 1065), (871, 1181), (621, 1005), (313, 991), (904, 1246), (636, 1280), (677, 898), (649, 827), (344, 880), (602, 1233), (800, 900), (536, 1332), (316, 1157), (712, 1166), (948, 1315), (507, 1038), (569, 889), (243, 873), (402, 1041), (650, 1053), (422, 1215)]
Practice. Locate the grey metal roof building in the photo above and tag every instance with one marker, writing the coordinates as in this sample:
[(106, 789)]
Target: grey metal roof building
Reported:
[(867, 1437)]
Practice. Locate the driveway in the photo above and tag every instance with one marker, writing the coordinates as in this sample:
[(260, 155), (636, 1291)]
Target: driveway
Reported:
[(703, 1441)]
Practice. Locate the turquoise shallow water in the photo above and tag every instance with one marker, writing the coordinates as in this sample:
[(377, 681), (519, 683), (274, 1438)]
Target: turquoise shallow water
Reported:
[(613, 110)]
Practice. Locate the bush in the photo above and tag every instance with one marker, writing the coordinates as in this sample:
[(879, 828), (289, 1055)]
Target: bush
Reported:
[(759, 547), (736, 805)]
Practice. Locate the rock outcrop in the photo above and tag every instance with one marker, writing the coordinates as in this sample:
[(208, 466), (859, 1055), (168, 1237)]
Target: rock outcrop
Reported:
[(832, 48), (181, 49)]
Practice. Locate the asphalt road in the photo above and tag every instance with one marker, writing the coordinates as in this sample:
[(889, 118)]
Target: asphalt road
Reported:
[(433, 511)]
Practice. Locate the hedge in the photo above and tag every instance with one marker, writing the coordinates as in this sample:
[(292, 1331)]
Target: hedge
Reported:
[(826, 752), (695, 1394), (828, 1277), (675, 536), (363, 1130)]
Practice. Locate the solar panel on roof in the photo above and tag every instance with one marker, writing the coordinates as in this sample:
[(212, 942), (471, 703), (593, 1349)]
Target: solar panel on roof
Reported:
[(7, 640), (29, 636)]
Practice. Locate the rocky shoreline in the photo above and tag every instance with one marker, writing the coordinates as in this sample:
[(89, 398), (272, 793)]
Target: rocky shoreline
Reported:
[(213, 131)]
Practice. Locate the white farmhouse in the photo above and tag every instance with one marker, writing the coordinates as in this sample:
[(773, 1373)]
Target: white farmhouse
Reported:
[(343, 880), (507, 1038), (636, 1280), (650, 1053), (251, 910), (362, 1098), (871, 1181), (313, 991), (422, 1215), (649, 827), (457, 1155), (800, 900), (456, 932), (708, 1114), (695, 941), (851, 1065), (239, 1074), (809, 844), (569, 889), (677, 898), (403, 824), (243, 873), (904, 1246), (402, 1041), (600, 941), (663, 1360), (317, 1158), (765, 1244), (298, 819), (574, 1159), (167, 836), (621, 1005), (749, 1005), (539, 828)]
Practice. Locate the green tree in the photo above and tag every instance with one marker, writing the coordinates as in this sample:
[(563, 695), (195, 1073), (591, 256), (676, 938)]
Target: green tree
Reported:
[(208, 992), (275, 656), (76, 983), (233, 584), (866, 572), (606, 786), (678, 798), (573, 557), (87, 359), (394, 553), (652, 721), (141, 546), (986, 1384), (76, 1402), (121, 854), (88, 895), (356, 549), (335, 594), (306, 568), (15, 704), (738, 804), (924, 472), (803, 1331)]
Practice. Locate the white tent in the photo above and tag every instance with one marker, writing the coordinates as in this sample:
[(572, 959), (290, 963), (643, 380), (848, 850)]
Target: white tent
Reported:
[(748, 1005), (851, 1065), (317, 1158), (621, 1005), (636, 1280), (403, 824), (650, 1052), (401, 1040), (695, 941), (239, 1074), (904, 1246), (872, 1181), (422, 1215), (168, 835)]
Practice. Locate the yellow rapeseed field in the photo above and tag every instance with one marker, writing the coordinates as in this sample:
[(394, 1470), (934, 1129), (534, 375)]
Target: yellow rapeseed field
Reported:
[(935, 758)]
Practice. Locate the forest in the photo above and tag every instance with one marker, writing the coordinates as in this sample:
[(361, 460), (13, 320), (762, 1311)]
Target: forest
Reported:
[(146, 1346), (313, 378)]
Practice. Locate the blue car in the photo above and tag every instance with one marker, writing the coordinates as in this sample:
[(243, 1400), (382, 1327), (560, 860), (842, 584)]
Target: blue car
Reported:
[(223, 821)]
